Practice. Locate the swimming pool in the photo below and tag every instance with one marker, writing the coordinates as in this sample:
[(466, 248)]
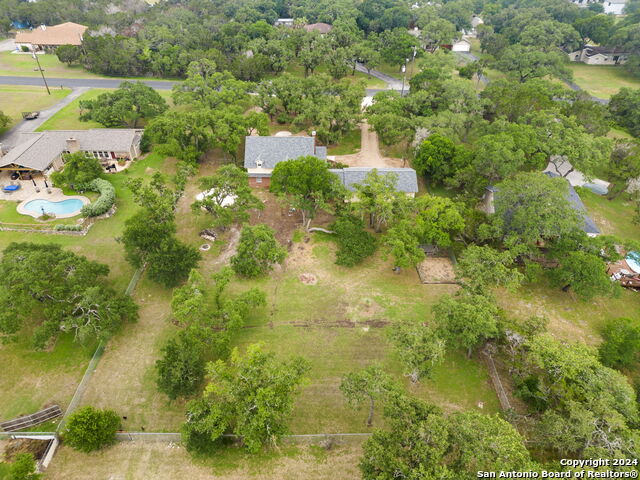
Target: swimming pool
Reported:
[(64, 207)]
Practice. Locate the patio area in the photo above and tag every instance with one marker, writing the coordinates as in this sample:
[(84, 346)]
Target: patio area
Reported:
[(27, 188)]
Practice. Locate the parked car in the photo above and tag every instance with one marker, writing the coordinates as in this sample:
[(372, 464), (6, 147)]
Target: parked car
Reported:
[(30, 115)]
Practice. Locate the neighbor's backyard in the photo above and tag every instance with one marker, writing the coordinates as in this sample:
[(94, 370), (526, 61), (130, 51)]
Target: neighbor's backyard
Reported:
[(602, 81)]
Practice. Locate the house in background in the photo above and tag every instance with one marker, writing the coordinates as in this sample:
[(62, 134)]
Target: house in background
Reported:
[(613, 7), (589, 227), (262, 154), (462, 45), (599, 56), (42, 152), (48, 39), (407, 179), (284, 22)]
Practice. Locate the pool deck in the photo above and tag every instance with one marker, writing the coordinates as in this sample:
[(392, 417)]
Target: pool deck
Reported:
[(56, 195)]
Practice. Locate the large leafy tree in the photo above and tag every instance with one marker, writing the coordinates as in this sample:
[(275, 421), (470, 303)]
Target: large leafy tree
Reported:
[(207, 87), (227, 196), (307, 183), (621, 343), (421, 442), (466, 319), (527, 62), (251, 396), (419, 347), (379, 198), (370, 384), (125, 107), (434, 157), (257, 252), (532, 207), (61, 292), (585, 273), (625, 109), (482, 267), (79, 170), (181, 368)]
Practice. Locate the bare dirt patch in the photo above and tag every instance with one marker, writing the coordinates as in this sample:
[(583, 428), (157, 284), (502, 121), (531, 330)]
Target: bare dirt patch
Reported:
[(369, 154), (308, 278), (277, 215), (436, 270), (11, 448)]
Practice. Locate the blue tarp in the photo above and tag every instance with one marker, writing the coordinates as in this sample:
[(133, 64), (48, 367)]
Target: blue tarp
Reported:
[(11, 188), (633, 260)]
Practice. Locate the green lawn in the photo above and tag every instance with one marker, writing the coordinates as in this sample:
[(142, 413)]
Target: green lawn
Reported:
[(613, 217), (349, 144), (12, 64), (17, 99), (396, 72), (602, 80), (68, 118)]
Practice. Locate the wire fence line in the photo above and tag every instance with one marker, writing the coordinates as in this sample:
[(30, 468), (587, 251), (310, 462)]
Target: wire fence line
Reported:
[(173, 437)]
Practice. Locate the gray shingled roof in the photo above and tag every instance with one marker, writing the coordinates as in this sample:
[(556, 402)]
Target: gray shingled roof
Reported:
[(407, 179), (576, 202), (38, 150), (273, 150)]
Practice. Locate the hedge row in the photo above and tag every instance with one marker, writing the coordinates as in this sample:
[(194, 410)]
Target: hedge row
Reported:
[(68, 228), (105, 201)]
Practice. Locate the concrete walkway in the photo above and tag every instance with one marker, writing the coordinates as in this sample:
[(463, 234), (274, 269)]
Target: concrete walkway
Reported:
[(10, 138)]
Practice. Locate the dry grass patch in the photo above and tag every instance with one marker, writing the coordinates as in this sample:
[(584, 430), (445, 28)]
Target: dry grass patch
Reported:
[(138, 461)]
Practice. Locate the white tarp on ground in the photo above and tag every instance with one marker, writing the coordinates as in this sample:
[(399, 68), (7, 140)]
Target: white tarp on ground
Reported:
[(576, 178), (228, 200)]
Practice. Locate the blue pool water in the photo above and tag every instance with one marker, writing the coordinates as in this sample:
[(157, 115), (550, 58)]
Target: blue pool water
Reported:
[(64, 207)]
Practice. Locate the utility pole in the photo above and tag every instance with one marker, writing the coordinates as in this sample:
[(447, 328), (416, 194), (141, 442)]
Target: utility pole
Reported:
[(35, 57), (413, 60), (404, 76)]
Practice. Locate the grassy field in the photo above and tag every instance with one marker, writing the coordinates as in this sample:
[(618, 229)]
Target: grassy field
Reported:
[(602, 80), (24, 65), (613, 217), (68, 118), (17, 99), (349, 144), (162, 462)]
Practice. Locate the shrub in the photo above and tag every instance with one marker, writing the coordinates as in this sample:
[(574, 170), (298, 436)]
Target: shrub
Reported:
[(354, 242), (105, 201), (23, 468), (90, 429), (68, 228), (258, 250)]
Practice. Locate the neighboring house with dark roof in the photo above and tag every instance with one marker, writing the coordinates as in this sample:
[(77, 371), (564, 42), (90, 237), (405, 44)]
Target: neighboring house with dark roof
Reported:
[(49, 38), (589, 226), (321, 28), (599, 56), (262, 154), (407, 180), (43, 151)]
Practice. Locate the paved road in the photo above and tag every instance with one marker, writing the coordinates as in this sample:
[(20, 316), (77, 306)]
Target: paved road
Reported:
[(105, 83), (10, 138), (392, 82), (7, 45), (82, 82)]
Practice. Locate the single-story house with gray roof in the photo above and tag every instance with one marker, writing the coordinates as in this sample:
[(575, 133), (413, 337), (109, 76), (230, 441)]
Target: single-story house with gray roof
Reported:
[(262, 154), (407, 180), (589, 227), (43, 151)]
